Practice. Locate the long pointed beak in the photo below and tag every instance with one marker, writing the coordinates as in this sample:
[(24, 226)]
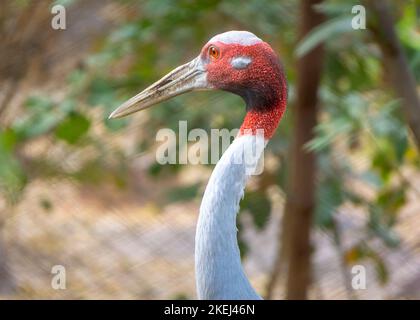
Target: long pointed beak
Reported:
[(188, 77)]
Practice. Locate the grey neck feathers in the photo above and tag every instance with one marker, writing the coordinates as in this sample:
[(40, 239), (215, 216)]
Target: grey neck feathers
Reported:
[(219, 273)]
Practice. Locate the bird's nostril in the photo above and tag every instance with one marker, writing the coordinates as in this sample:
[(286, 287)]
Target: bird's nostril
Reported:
[(164, 82)]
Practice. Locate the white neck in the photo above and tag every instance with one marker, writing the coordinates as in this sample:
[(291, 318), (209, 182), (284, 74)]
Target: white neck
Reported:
[(219, 273)]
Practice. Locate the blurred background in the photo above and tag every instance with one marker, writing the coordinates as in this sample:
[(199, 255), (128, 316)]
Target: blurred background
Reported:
[(341, 185)]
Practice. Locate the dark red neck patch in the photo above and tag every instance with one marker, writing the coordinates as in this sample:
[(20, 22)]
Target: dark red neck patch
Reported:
[(262, 84)]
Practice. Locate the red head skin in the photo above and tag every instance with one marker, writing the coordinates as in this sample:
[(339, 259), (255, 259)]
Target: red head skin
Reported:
[(262, 83)]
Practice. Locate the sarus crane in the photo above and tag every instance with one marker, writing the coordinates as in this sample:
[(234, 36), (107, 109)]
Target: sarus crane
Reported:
[(241, 63)]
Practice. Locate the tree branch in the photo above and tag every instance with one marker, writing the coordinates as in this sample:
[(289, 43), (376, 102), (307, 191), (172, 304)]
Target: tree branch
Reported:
[(396, 64)]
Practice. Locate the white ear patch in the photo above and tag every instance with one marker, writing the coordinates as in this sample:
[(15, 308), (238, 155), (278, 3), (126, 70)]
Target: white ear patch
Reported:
[(244, 38), (240, 62)]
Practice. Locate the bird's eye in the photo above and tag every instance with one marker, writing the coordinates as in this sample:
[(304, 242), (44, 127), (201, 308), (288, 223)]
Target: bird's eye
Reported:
[(214, 52)]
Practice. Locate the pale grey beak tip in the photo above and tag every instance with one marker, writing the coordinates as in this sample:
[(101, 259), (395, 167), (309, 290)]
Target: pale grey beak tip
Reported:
[(188, 77), (114, 115)]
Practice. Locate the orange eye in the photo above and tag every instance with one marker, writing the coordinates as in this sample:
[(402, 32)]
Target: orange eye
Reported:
[(214, 52)]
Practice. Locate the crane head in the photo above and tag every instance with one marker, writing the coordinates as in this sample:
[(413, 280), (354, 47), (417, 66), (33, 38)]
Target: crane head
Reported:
[(234, 61)]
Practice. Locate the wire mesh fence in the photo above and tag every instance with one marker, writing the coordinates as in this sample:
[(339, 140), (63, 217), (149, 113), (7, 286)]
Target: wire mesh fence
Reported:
[(131, 243), (131, 250)]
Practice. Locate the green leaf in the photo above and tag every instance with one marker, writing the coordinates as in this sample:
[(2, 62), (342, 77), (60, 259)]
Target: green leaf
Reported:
[(35, 126), (154, 169), (321, 33), (115, 124), (329, 198), (102, 93), (408, 26), (381, 229), (72, 128), (65, 3), (126, 32), (39, 104), (12, 176), (180, 296), (327, 132), (371, 178), (243, 246), (46, 204), (259, 206), (392, 199), (362, 251), (381, 270), (332, 8), (68, 106), (381, 161), (182, 193), (8, 139)]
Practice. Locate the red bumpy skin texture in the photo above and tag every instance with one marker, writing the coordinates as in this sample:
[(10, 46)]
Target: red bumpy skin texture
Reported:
[(262, 83)]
